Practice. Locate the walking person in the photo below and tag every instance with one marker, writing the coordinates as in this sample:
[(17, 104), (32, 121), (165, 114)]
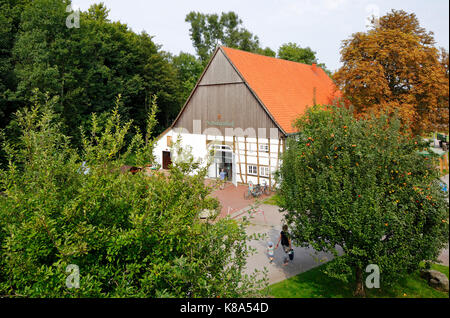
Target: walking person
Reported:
[(270, 252), (285, 243), (222, 175)]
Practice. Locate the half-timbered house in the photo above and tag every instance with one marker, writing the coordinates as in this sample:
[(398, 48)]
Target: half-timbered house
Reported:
[(243, 108)]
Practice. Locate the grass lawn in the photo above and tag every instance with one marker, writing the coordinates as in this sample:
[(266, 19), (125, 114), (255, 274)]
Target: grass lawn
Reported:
[(315, 284), (273, 200)]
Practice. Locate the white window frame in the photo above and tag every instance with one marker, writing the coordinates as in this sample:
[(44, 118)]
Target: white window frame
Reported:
[(252, 147), (252, 170), (263, 170), (264, 147), (221, 147)]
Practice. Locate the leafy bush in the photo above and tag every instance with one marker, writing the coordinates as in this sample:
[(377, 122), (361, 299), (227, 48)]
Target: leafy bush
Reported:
[(130, 235)]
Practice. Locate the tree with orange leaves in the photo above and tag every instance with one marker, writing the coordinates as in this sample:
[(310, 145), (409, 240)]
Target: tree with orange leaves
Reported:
[(396, 67)]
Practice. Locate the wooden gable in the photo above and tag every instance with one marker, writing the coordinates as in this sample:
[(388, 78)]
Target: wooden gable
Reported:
[(222, 99), (220, 71)]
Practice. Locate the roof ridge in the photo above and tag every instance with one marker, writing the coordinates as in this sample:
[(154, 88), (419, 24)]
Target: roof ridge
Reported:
[(270, 57), (285, 88)]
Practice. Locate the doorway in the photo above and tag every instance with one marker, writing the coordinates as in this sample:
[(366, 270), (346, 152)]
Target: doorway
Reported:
[(225, 159), (166, 160)]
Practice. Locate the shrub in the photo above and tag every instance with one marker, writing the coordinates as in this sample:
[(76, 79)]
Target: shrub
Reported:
[(130, 235)]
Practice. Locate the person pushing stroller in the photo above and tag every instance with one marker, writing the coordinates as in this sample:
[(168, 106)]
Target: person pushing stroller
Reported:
[(286, 244)]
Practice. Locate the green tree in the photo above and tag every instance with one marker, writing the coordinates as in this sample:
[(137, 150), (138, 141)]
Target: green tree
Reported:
[(10, 13), (362, 185), (293, 52), (88, 66), (130, 235), (209, 31), (267, 52), (98, 11)]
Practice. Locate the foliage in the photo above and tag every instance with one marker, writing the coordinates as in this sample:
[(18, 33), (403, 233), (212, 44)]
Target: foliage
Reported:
[(10, 13), (395, 67), (131, 235), (267, 52), (209, 31), (189, 69), (293, 52), (361, 185), (86, 67), (441, 124)]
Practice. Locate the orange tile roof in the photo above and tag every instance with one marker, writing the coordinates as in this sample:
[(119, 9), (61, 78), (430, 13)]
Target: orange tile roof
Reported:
[(285, 88)]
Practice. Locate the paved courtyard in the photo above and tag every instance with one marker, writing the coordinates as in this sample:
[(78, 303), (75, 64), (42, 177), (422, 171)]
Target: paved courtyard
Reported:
[(232, 198), (269, 222)]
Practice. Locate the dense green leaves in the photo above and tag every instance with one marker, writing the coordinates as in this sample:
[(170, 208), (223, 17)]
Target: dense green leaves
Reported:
[(10, 16), (87, 67), (361, 185), (293, 52), (189, 69)]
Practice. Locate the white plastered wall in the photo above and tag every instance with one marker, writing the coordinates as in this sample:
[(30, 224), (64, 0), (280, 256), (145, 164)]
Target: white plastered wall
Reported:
[(198, 144)]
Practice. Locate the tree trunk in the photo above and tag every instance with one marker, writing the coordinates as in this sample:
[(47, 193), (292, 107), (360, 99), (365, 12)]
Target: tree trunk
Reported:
[(359, 292)]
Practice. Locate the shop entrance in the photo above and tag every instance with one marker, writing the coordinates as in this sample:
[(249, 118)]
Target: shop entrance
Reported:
[(225, 159)]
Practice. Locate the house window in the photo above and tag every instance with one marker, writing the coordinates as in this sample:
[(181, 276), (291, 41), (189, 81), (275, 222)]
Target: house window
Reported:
[(252, 170), (264, 171), (264, 147), (221, 147), (169, 141), (251, 147)]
